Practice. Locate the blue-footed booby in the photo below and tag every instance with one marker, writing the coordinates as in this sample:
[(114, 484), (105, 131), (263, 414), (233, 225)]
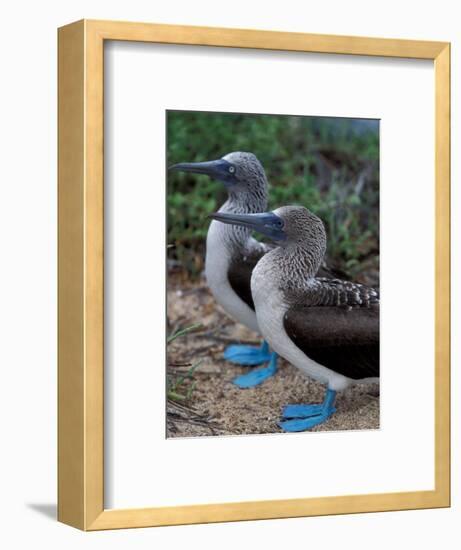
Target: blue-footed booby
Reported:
[(231, 253), (327, 328)]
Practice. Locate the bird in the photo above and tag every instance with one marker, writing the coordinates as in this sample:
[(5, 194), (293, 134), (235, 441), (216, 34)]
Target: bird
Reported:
[(327, 328), (232, 253)]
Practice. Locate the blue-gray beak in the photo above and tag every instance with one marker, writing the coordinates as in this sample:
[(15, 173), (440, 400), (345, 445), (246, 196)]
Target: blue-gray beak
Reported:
[(217, 169), (266, 223)]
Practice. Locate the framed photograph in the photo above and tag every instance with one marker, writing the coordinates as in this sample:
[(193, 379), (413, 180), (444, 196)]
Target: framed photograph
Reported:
[(328, 165), (234, 206)]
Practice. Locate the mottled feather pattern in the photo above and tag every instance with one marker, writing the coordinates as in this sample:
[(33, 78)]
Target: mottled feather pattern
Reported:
[(251, 186), (248, 196), (296, 266), (332, 292), (242, 265)]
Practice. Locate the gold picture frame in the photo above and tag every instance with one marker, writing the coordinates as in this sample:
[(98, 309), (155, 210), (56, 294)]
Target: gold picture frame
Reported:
[(81, 266)]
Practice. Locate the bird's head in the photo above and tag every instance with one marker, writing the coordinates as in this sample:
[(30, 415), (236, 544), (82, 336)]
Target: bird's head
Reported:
[(288, 225), (240, 172), (301, 226)]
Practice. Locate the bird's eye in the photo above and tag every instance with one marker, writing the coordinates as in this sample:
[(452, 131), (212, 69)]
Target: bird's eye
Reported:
[(279, 223), (231, 169)]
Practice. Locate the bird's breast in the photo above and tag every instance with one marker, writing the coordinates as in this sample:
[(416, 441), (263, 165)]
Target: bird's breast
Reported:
[(269, 303), (217, 264)]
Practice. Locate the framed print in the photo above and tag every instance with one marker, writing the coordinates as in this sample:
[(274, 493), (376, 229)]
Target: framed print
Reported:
[(234, 206)]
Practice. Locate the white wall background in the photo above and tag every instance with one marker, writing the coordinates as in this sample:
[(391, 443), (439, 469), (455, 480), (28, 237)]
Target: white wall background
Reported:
[(28, 271)]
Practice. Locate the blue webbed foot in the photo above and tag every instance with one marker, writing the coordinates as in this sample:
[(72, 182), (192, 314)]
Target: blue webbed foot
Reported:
[(305, 417), (257, 376), (301, 411), (247, 355)]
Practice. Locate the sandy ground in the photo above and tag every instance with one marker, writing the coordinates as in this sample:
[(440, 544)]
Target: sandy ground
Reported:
[(218, 407)]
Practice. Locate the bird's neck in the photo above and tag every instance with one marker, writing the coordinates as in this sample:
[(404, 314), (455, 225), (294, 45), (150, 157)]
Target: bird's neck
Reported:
[(294, 265), (234, 237), (244, 202)]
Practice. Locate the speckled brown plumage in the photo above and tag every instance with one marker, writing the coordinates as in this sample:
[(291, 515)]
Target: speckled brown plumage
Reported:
[(334, 322)]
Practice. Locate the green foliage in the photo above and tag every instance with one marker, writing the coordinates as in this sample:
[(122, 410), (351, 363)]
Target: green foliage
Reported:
[(180, 388), (330, 165)]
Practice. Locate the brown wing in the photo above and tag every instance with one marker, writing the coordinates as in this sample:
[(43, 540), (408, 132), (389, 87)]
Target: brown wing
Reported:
[(329, 272), (341, 339)]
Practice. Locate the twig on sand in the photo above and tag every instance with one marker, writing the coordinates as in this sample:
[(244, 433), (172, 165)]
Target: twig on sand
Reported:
[(179, 412), (227, 339)]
